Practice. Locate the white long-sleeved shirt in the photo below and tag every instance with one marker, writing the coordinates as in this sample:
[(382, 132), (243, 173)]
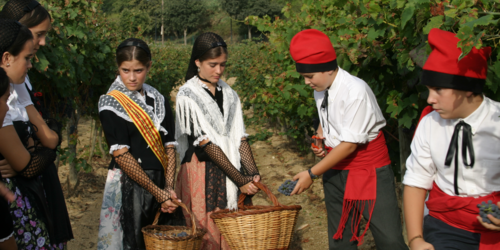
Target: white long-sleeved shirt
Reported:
[(430, 146), (353, 112)]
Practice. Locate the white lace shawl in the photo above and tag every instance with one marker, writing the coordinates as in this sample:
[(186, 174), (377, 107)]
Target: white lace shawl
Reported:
[(107, 102), (196, 109)]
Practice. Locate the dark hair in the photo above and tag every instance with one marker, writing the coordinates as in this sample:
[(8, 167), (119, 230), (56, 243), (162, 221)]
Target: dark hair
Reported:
[(133, 49), (13, 37), (206, 46), (23, 36), (35, 17), (213, 53), (4, 82)]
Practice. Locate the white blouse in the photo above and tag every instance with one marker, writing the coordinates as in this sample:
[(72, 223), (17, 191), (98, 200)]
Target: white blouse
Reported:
[(17, 112), (430, 146), (353, 112)]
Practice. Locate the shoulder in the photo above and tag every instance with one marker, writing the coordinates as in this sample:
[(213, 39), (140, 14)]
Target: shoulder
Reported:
[(227, 88), (356, 87), (494, 106)]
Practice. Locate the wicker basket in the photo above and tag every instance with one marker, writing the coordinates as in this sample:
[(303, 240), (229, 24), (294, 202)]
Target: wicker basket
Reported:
[(159, 237), (258, 227)]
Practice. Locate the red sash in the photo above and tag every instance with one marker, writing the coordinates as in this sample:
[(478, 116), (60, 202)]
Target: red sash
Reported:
[(461, 212), (361, 186)]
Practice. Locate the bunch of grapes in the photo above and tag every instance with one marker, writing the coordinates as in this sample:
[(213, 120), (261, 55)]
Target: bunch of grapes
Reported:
[(287, 187), (181, 234), (488, 208)]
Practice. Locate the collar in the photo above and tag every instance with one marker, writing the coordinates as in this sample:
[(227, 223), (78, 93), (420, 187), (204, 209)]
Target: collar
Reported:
[(203, 85), (339, 78), (477, 117)]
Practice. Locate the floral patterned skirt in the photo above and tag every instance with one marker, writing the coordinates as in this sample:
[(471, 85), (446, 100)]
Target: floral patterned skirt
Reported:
[(110, 229), (29, 227)]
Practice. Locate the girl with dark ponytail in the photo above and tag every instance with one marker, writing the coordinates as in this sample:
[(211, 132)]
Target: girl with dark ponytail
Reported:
[(216, 157)]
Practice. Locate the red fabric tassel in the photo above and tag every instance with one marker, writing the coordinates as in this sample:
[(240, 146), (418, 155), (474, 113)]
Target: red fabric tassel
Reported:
[(361, 186)]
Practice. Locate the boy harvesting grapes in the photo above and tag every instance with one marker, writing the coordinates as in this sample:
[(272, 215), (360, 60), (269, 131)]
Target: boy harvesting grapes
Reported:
[(455, 154), (357, 176)]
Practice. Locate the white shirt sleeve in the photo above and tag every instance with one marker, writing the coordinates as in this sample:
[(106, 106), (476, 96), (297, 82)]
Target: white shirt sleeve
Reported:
[(359, 118), (420, 168)]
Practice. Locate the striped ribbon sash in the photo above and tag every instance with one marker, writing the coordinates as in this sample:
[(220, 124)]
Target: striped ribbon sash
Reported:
[(144, 124)]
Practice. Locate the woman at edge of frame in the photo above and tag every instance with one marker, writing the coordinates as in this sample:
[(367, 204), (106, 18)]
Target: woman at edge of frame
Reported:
[(217, 162), (141, 174)]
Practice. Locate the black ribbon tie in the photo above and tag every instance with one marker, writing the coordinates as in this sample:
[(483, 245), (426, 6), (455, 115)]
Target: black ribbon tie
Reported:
[(467, 146), (324, 105)]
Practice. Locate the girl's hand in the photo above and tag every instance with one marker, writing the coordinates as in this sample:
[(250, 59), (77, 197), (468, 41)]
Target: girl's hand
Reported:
[(6, 170), (249, 188), (6, 193), (303, 183), (256, 178), (168, 207)]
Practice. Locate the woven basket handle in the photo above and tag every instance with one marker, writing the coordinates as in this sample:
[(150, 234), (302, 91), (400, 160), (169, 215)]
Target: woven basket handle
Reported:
[(193, 221), (266, 190)]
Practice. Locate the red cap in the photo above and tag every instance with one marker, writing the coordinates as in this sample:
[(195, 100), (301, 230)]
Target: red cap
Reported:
[(443, 69), (313, 52)]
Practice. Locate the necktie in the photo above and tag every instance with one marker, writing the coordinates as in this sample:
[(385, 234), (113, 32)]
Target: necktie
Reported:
[(467, 146), (324, 105)]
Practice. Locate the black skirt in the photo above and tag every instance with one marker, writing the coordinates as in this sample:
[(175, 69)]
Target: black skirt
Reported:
[(139, 208)]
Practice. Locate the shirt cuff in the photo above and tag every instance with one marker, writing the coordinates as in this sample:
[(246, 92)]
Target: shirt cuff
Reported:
[(245, 135), (117, 147), (349, 136), (414, 180), (200, 139), (171, 143)]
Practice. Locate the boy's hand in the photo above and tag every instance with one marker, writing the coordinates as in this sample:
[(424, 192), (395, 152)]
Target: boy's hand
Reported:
[(317, 146), (303, 183), (495, 223), (421, 244)]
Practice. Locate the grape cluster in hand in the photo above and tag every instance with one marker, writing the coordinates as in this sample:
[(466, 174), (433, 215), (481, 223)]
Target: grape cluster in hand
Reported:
[(488, 208), (287, 187)]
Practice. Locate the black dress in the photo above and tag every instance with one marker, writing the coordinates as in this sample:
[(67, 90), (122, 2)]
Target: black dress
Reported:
[(139, 207), (56, 204)]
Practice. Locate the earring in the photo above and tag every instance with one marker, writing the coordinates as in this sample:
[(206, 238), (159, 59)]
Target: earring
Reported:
[(8, 64), (198, 69)]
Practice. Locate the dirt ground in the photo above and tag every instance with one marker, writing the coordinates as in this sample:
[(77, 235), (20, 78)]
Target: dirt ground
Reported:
[(276, 159)]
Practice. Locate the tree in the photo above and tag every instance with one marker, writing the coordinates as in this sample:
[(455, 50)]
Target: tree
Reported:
[(241, 9), (184, 15)]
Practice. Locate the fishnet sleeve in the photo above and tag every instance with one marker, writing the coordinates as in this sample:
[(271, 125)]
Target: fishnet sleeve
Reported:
[(131, 167), (39, 161), (247, 159), (170, 173), (220, 159)]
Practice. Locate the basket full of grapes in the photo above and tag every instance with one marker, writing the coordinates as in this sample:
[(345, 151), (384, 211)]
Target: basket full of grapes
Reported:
[(486, 208), (258, 227), (164, 237)]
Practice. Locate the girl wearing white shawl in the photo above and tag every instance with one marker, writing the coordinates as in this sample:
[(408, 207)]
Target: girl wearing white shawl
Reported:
[(217, 161)]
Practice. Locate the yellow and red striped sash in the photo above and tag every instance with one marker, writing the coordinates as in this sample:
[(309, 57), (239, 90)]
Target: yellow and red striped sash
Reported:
[(144, 124)]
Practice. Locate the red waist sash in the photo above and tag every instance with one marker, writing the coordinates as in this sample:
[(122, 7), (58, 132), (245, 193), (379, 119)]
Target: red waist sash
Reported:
[(361, 185), (462, 212)]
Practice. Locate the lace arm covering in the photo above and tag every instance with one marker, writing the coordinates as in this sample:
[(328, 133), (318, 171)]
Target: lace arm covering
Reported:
[(220, 159), (130, 166), (39, 161), (170, 173), (247, 159)]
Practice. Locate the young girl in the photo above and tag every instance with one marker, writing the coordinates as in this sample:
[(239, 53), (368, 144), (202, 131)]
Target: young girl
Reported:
[(139, 128), (32, 221), (212, 139), (34, 16), (7, 241)]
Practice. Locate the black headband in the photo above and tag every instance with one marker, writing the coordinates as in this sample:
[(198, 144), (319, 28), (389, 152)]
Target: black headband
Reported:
[(134, 44), (215, 45), (31, 6)]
